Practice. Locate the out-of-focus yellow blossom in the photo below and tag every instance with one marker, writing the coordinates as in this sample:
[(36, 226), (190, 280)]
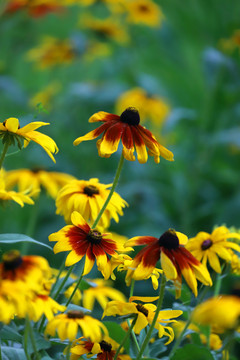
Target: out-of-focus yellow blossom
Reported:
[(45, 96), (222, 313), (231, 43), (103, 350), (67, 326), (100, 291), (235, 264), (51, 52), (43, 305), (19, 197), (153, 108), (36, 179), (96, 50), (87, 197), (215, 341), (10, 131), (144, 12), (108, 28), (144, 315), (208, 247)]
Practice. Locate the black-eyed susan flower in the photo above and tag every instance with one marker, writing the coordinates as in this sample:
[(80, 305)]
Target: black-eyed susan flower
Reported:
[(20, 198), (221, 313), (52, 52), (144, 12), (35, 8), (36, 179), (127, 128), (30, 269), (144, 315), (43, 305), (67, 326), (88, 197), (175, 260), (10, 131), (103, 350), (208, 248), (81, 240)]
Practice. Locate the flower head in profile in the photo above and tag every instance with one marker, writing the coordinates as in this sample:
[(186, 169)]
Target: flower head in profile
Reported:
[(103, 350), (81, 240), (88, 197), (67, 326), (127, 128), (208, 248), (36, 179), (144, 315), (175, 259), (10, 131), (221, 313)]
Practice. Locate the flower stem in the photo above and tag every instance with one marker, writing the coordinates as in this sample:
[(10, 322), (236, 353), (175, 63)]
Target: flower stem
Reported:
[(31, 334), (179, 339), (5, 148), (125, 338), (115, 181), (129, 324), (159, 305), (77, 285), (63, 282), (25, 341), (58, 277)]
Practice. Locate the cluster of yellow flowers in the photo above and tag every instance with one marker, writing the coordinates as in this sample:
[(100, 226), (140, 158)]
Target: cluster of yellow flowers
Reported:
[(29, 288)]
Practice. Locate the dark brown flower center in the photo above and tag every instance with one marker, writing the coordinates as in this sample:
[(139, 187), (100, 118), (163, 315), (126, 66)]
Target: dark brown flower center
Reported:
[(105, 346), (130, 116), (90, 190), (94, 236), (143, 8), (206, 244), (169, 240), (75, 314), (12, 260), (142, 309)]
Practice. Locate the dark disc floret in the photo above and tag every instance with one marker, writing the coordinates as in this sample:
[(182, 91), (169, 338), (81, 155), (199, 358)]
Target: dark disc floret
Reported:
[(105, 346), (142, 309), (75, 314), (12, 260), (94, 236), (206, 244), (130, 116), (90, 190), (169, 240)]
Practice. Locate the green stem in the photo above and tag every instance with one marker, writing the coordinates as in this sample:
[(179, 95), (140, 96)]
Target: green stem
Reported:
[(58, 277), (115, 181), (179, 339), (129, 324), (77, 285), (5, 148), (159, 305), (32, 339), (131, 288), (218, 285), (25, 341), (63, 282), (31, 226), (125, 338)]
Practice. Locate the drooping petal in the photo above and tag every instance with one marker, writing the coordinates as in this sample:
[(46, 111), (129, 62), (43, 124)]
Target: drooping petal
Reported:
[(168, 267), (141, 323), (32, 126), (214, 261), (110, 139), (103, 116), (139, 145), (78, 220), (190, 279), (73, 258), (140, 240), (92, 134)]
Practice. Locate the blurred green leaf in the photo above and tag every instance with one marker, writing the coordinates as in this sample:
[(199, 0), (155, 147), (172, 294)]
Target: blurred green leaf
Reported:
[(15, 238), (40, 341), (7, 333), (191, 351), (10, 353)]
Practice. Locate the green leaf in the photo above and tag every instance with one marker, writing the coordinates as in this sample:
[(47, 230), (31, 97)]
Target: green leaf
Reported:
[(16, 238), (116, 333), (7, 333), (191, 351), (10, 353), (40, 342)]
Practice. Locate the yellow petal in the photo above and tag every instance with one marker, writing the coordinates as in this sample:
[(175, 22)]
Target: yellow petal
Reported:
[(141, 323), (73, 258), (190, 279), (168, 267), (183, 239), (12, 124), (77, 219)]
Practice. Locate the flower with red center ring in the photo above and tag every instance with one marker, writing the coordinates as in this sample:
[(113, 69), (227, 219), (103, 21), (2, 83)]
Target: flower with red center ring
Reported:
[(105, 349), (67, 326), (175, 260), (127, 128), (82, 240)]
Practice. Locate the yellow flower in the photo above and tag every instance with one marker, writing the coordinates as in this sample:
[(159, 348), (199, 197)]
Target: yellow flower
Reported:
[(19, 197), (175, 259), (231, 43), (67, 325), (51, 52), (100, 291), (82, 241), (208, 247), (45, 96), (221, 313), (153, 108), (127, 128), (103, 350), (10, 131), (144, 12), (235, 264), (108, 28), (43, 305), (144, 315), (88, 197), (96, 50), (36, 179)]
